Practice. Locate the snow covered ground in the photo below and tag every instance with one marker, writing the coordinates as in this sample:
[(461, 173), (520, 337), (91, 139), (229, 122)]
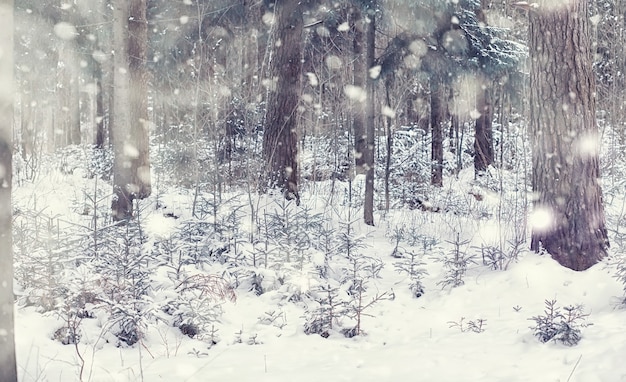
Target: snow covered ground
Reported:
[(405, 338)]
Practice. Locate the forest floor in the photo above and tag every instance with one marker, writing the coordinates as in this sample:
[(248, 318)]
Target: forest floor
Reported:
[(477, 331)]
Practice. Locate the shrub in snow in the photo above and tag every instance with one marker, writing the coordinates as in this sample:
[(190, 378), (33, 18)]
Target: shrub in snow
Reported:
[(455, 263), (620, 274), (124, 268), (410, 167), (274, 318), (357, 271), (293, 229), (411, 265), (321, 319), (560, 324), (476, 326), (498, 258), (196, 307), (43, 251)]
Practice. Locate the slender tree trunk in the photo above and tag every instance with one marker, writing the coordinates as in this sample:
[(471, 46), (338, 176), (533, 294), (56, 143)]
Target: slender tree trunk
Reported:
[(8, 368), (370, 36), (280, 140), (388, 87), (69, 100), (359, 81), (483, 138), (437, 113), (570, 222), (100, 126)]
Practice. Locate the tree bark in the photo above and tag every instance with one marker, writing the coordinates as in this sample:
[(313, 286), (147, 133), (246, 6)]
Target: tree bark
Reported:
[(359, 81), (100, 128), (437, 113), (139, 79), (68, 88), (370, 39), (129, 123), (280, 137), (8, 367), (483, 138), (565, 137)]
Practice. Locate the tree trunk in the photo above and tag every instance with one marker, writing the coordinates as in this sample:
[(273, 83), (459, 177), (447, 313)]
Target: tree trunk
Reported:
[(129, 126), (437, 113), (8, 367), (359, 82), (100, 130), (139, 119), (280, 137), (69, 100), (483, 138), (370, 37), (570, 223)]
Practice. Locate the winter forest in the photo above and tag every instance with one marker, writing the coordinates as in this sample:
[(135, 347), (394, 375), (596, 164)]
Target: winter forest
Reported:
[(306, 190)]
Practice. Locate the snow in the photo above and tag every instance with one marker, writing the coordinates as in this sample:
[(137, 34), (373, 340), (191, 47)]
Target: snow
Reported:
[(406, 337), (343, 27), (541, 219), (355, 93), (65, 31), (262, 337)]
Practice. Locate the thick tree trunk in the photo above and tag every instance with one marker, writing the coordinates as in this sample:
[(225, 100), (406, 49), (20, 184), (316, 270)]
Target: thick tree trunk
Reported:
[(280, 139), (437, 113), (139, 119), (570, 224), (124, 152), (129, 124), (483, 138), (8, 368)]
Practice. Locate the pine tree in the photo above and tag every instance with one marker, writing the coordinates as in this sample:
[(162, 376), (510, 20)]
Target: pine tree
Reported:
[(565, 138)]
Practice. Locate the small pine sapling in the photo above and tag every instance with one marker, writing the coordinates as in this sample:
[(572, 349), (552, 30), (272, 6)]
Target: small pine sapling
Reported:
[(620, 275), (125, 269), (411, 265), (455, 263), (476, 326), (555, 325), (327, 314), (395, 237)]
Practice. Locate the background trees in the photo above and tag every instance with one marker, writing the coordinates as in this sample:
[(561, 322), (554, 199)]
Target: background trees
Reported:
[(226, 83), (328, 102)]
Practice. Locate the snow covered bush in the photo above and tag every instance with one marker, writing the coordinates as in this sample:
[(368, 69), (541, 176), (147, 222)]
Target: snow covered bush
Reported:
[(455, 263), (44, 249), (196, 306), (326, 316), (620, 275), (560, 324), (498, 258), (476, 326), (125, 267), (411, 265)]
